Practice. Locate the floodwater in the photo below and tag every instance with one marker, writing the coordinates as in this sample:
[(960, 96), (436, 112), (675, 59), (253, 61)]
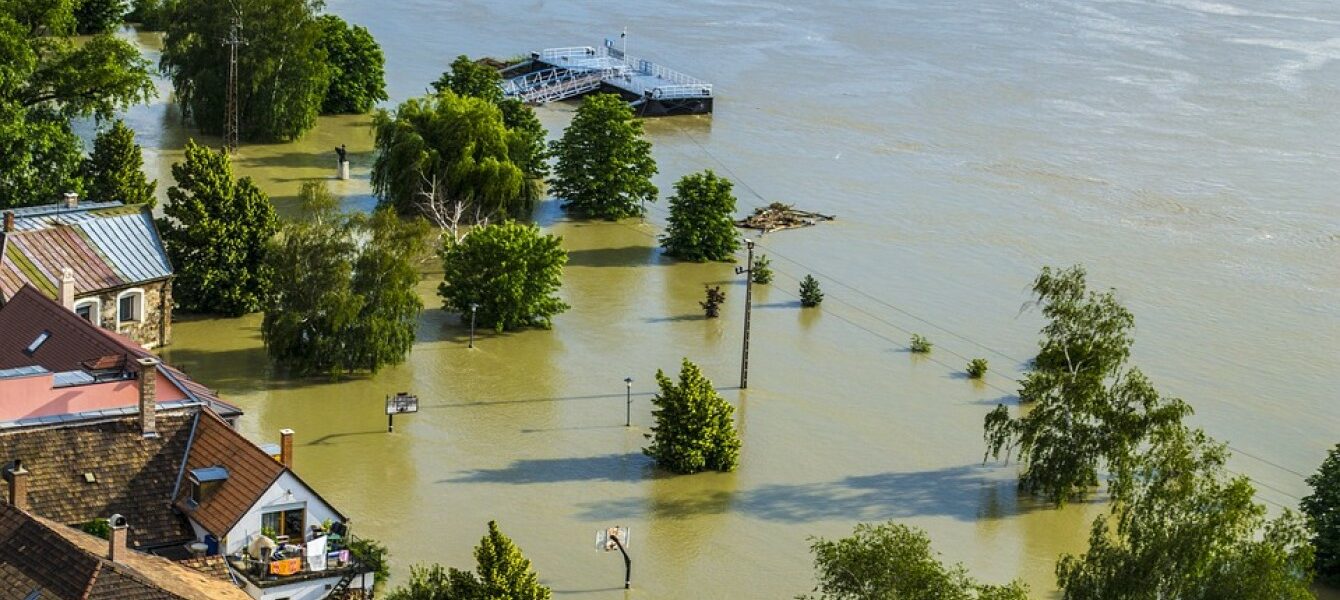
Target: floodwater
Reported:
[(1184, 151)]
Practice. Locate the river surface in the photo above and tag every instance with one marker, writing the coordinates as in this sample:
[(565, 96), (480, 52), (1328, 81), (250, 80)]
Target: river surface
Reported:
[(1184, 151)]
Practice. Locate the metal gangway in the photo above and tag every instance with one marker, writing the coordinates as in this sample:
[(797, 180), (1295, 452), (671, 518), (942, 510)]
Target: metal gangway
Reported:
[(553, 84), (567, 72)]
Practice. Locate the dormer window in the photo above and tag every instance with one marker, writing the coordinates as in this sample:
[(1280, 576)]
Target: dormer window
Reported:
[(206, 481), (89, 310)]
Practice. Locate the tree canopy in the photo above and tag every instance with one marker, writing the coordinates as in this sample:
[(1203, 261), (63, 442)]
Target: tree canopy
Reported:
[(115, 169), (217, 232), (343, 296), (45, 80), (695, 426), (889, 561), (701, 225), (1322, 508), (357, 67), (1087, 410), (502, 572), (283, 74), (98, 16), (466, 77), (509, 270), (604, 164)]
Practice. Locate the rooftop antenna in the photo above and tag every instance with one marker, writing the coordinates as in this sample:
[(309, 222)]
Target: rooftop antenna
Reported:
[(230, 119)]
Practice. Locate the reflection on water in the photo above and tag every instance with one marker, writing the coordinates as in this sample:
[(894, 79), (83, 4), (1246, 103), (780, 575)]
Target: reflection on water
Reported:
[(1173, 149)]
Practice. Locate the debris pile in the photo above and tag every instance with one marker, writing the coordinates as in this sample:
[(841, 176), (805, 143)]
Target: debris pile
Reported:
[(778, 216)]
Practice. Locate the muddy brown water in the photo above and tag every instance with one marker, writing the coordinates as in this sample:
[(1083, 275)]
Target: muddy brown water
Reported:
[(1182, 150)]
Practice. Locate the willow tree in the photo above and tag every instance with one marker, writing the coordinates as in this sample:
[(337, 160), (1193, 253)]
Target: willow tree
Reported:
[(701, 225), (604, 163)]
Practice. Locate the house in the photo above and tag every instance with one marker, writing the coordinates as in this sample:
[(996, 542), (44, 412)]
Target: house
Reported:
[(102, 260), (93, 425), (42, 559)]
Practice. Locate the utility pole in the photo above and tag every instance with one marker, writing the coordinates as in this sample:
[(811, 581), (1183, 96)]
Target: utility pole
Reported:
[(231, 136), (748, 308)]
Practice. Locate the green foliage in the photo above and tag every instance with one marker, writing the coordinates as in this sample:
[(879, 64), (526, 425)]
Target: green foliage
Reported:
[(604, 164), (373, 554), (509, 270), (715, 298), (115, 169), (338, 305), (282, 71), (217, 231), (695, 426), (502, 572), (889, 561), (1182, 528), (762, 271), (977, 368), (1322, 508), (98, 16), (469, 78), (99, 527), (700, 227), (1089, 411), (45, 80), (810, 295), (450, 158), (357, 67), (919, 344), (152, 15)]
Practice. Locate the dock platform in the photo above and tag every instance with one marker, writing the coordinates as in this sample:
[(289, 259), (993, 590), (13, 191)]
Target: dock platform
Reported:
[(651, 89)]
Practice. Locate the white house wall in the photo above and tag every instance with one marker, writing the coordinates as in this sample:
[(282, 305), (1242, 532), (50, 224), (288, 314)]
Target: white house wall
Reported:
[(287, 490)]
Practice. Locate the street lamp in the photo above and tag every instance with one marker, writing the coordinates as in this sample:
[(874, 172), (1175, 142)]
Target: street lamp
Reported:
[(748, 272), (474, 308), (628, 403)]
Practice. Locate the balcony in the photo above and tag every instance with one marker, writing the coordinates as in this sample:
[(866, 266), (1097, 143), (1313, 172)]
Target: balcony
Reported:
[(289, 564)]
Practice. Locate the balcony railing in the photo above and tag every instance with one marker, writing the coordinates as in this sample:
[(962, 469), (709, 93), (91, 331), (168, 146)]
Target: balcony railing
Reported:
[(296, 568)]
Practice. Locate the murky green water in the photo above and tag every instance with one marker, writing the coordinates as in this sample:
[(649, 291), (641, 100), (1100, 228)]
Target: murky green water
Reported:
[(1183, 151)]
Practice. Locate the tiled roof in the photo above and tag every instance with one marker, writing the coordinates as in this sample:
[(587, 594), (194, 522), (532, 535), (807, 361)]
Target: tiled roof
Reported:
[(65, 564), (134, 476), (250, 472), (72, 342), (108, 246)]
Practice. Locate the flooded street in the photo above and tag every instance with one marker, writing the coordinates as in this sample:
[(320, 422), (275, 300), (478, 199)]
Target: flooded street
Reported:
[(1184, 152)]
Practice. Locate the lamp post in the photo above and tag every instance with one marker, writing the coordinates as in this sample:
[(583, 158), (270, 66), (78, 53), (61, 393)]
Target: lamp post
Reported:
[(748, 272), (474, 308), (628, 403)]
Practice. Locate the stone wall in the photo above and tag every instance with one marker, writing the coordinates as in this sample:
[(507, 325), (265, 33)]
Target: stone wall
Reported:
[(154, 327)]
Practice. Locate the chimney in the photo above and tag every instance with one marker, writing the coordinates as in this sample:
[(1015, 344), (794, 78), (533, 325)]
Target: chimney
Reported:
[(9, 221), (286, 448), (116, 538), (18, 485), (67, 288), (148, 397), (71, 200)]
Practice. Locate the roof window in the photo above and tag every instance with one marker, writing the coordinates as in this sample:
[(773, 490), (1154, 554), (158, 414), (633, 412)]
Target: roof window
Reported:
[(37, 343)]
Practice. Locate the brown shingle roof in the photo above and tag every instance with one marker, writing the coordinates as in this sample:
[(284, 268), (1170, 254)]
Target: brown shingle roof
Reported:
[(250, 472), (32, 558), (135, 476)]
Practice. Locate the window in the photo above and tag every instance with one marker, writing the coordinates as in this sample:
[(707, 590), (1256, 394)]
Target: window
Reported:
[(89, 310), (289, 522), (37, 343), (129, 306)]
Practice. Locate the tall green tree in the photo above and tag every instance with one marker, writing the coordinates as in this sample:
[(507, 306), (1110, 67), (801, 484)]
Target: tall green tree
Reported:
[(343, 295), (217, 232), (357, 67), (151, 15), (466, 77), (450, 159), (1322, 508), (1088, 411), (115, 169), (695, 426), (45, 80), (282, 71), (604, 164), (701, 225), (509, 270), (1181, 527), (889, 561), (502, 572), (98, 16)]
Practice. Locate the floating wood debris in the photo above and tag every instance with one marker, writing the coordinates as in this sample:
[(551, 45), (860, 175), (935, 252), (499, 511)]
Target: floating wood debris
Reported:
[(778, 216)]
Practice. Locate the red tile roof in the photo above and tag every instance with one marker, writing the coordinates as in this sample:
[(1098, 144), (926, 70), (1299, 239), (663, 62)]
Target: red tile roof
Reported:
[(250, 473)]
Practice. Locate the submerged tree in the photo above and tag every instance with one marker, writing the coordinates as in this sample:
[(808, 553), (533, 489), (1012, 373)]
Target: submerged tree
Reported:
[(217, 232), (475, 79), (1322, 508), (701, 227), (810, 296), (115, 169), (501, 572), (604, 163), (98, 16), (889, 561), (762, 271), (509, 271), (695, 426), (357, 67), (715, 298), (466, 77)]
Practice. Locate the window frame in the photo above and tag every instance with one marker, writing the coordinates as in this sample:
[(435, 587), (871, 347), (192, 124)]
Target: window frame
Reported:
[(95, 309), (284, 518), (139, 306)]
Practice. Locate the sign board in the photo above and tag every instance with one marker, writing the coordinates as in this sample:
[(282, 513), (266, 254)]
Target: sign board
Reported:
[(605, 541), (402, 403)]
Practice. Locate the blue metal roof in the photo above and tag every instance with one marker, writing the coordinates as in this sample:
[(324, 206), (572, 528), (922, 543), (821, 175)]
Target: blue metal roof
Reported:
[(130, 243), (209, 474), (21, 372)]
